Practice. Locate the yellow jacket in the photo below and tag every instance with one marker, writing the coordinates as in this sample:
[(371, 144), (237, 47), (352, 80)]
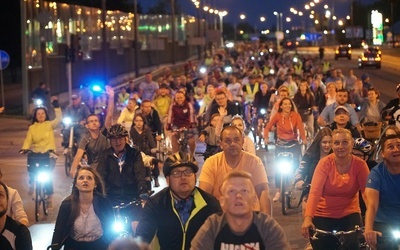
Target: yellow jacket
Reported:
[(41, 135), (161, 104)]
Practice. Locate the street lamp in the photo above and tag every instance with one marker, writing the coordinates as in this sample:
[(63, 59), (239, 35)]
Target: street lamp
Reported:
[(278, 29), (242, 16), (221, 25)]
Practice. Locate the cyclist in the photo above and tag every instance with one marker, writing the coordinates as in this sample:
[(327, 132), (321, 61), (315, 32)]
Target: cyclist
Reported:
[(222, 102), (122, 169), (143, 139), (210, 136), (382, 216), (127, 113), (363, 149), (162, 103), (84, 220), (177, 212), (148, 88), (288, 123), (78, 112), (40, 138), (95, 140), (153, 121), (181, 116), (391, 112), (319, 148), (305, 102), (333, 201), (341, 120), (371, 108)]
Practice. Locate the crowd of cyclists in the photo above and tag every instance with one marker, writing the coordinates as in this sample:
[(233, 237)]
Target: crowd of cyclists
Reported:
[(348, 177)]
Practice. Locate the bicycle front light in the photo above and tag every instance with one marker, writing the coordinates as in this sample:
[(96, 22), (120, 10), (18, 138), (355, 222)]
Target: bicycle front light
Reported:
[(118, 226), (67, 120), (285, 166), (38, 102), (43, 177), (263, 111), (396, 234), (203, 70), (201, 103), (228, 69)]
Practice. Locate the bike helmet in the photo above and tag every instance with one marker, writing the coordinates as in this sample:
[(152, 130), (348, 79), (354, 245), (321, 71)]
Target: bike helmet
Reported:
[(362, 145), (117, 130), (179, 159)]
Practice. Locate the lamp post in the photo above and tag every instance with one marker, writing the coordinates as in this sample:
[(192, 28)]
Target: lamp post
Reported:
[(279, 28), (221, 25)]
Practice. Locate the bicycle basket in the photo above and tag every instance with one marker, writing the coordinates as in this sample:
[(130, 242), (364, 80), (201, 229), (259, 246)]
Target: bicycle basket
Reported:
[(372, 130)]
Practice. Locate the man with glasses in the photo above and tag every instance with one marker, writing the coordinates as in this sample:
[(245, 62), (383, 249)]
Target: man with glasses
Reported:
[(95, 140), (177, 212), (122, 170), (221, 102)]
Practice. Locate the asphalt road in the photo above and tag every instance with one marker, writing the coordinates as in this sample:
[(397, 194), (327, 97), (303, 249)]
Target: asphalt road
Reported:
[(13, 165)]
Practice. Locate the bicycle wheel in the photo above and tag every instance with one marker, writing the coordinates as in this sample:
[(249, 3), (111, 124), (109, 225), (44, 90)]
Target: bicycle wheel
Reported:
[(285, 198), (44, 200), (68, 162), (37, 200), (294, 196)]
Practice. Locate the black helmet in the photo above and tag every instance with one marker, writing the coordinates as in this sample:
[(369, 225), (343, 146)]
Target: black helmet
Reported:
[(179, 159), (117, 130)]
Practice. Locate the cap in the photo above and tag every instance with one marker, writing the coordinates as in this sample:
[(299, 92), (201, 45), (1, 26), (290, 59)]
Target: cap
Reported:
[(364, 76), (341, 107), (74, 96)]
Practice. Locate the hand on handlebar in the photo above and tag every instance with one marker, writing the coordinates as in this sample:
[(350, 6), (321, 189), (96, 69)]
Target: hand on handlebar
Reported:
[(23, 151), (305, 227), (371, 237)]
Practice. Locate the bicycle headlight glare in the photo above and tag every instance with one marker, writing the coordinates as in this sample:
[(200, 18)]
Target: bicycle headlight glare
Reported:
[(203, 70), (228, 69), (67, 120), (38, 102), (285, 166), (43, 177), (263, 111), (396, 234), (118, 226)]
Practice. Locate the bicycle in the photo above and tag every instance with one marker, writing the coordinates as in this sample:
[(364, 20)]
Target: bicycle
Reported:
[(39, 167), (162, 150), (122, 220), (72, 144), (183, 139), (291, 198), (338, 240)]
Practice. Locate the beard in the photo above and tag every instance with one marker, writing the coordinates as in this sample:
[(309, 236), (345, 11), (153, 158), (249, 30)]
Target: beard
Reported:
[(3, 212)]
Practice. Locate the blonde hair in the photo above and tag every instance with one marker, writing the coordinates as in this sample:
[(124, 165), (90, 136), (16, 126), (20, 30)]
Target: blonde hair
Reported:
[(236, 174)]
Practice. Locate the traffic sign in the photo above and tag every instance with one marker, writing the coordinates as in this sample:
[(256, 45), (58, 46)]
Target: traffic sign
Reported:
[(4, 59)]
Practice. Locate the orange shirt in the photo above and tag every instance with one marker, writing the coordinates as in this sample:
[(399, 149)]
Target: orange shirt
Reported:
[(335, 195), (286, 128), (216, 168)]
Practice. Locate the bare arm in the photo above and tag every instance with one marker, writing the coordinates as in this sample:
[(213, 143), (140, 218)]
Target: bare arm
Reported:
[(110, 107), (263, 195), (75, 162), (372, 207)]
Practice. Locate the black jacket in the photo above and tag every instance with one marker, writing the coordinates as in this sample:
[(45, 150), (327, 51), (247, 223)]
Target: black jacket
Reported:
[(159, 216), (103, 209), (126, 185), (231, 109)]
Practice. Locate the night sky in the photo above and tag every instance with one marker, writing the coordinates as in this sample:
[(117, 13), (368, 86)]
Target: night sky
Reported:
[(254, 9)]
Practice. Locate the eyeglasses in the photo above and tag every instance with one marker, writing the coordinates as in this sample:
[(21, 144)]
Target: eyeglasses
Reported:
[(114, 139), (187, 172)]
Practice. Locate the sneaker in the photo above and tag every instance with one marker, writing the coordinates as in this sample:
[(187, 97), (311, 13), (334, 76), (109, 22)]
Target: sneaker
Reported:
[(277, 196)]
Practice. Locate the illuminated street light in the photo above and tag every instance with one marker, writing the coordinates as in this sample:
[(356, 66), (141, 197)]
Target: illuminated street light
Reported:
[(288, 19), (262, 19), (242, 16), (307, 7), (316, 1), (206, 8), (316, 21), (287, 31), (326, 6), (327, 14), (312, 4), (348, 17), (311, 16), (334, 17), (340, 23), (387, 20), (300, 13), (292, 9)]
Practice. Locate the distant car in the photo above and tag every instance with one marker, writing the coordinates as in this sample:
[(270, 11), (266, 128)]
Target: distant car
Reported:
[(372, 56), (343, 50)]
